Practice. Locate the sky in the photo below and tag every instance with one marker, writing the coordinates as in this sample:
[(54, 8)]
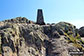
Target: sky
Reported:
[(54, 11)]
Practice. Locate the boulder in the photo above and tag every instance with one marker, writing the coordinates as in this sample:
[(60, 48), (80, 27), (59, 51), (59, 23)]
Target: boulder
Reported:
[(81, 31), (66, 27)]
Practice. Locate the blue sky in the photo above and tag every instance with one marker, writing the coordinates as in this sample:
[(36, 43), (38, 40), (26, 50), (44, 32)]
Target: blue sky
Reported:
[(54, 11)]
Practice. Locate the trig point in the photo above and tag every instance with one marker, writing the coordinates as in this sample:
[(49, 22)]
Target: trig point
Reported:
[(40, 19)]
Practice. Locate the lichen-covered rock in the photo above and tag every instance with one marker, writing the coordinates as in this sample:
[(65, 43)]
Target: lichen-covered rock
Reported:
[(66, 27), (21, 37), (23, 40)]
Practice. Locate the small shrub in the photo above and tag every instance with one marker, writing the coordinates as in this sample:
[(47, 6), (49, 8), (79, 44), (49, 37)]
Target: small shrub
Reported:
[(77, 41)]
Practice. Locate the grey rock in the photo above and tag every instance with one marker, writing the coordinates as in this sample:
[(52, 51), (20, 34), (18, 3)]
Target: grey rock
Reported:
[(81, 31), (25, 39)]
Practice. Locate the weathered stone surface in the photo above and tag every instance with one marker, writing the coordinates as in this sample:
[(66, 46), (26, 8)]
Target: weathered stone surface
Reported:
[(26, 39), (81, 31), (60, 31), (22, 41), (55, 34), (19, 20), (66, 27)]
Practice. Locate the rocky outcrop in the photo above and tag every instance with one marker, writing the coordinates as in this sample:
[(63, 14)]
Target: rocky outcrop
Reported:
[(81, 31), (66, 27), (19, 20), (23, 40), (29, 39)]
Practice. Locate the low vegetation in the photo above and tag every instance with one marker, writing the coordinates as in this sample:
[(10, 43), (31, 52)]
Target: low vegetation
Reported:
[(77, 41)]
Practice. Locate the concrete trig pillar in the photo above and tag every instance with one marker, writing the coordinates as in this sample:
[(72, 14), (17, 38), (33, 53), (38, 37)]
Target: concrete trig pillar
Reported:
[(40, 19)]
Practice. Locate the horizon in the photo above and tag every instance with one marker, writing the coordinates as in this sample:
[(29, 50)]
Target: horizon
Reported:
[(53, 11)]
